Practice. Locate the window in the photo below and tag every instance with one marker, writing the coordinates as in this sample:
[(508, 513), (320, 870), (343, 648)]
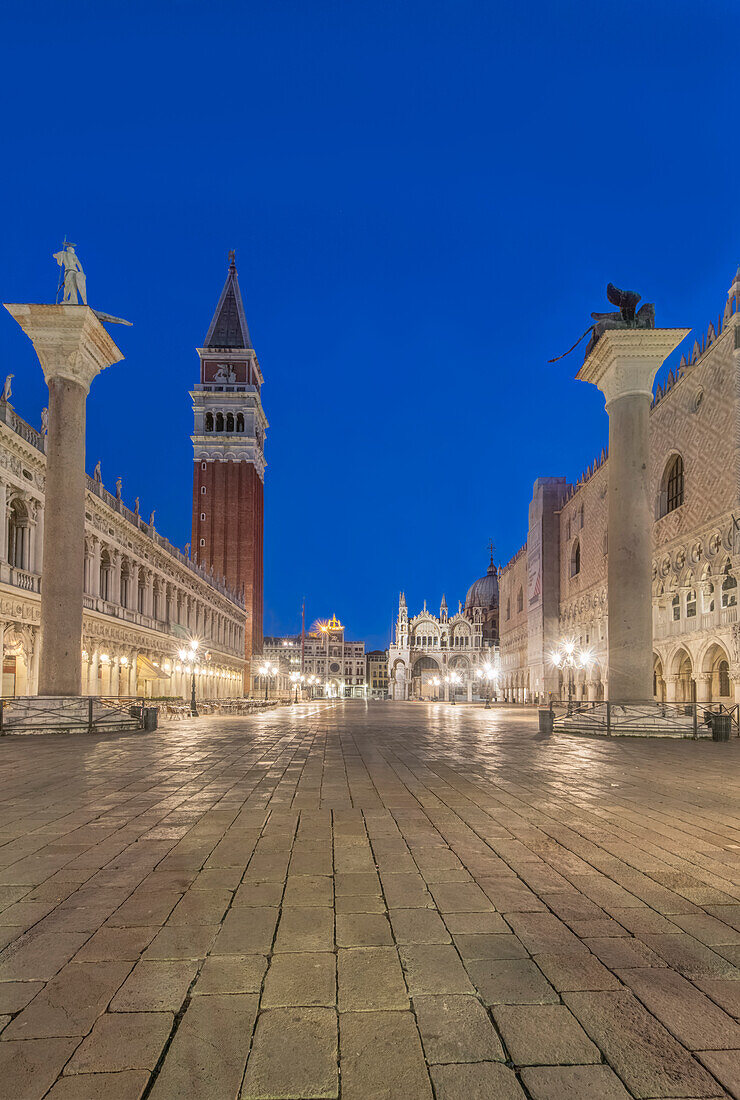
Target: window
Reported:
[(671, 495), (724, 678), (520, 600), (675, 609), (203, 490), (202, 515), (202, 465), (209, 422), (575, 559), (581, 516), (691, 604), (202, 542), (729, 588), (508, 609)]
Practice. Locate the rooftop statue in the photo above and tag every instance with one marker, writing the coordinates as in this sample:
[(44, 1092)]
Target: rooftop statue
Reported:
[(627, 317)]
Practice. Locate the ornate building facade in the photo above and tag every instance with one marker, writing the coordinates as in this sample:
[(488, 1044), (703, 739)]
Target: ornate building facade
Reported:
[(229, 458), (144, 599), (555, 587), (335, 665), (428, 649)]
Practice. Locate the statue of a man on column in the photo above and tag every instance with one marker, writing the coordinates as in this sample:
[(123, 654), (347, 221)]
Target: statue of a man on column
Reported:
[(74, 276)]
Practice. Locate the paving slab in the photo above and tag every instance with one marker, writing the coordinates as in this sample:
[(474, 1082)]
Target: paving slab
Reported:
[(294, 1054), (382, 1056), (456, 1029)]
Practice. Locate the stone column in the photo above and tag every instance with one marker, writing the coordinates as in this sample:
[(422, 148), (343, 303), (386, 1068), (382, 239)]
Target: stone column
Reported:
[(703, 687), (39, 549), (73, 347), (623, 365), (3, 521)]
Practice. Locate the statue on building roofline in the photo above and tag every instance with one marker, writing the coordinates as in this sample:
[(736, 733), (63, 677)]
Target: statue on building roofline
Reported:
[(628, 317), (8, 389)]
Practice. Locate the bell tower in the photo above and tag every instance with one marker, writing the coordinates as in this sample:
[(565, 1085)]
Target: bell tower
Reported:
[(229, 459)]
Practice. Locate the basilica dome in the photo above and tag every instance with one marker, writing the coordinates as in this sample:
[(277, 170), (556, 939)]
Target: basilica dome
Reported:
[(484, 592)]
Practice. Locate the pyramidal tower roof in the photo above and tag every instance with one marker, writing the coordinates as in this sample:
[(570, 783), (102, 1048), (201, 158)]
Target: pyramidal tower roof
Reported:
[(228, 329)]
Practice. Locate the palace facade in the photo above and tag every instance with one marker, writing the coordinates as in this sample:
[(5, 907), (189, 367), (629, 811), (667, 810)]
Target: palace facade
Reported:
[(555, 587), (144, 599), (429, 649)]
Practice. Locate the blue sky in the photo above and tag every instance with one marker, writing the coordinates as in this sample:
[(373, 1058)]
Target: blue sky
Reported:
[(427, 200)]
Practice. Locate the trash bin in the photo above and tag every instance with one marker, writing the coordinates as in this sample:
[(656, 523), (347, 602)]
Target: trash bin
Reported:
[(545, 720), (721, 727), (149, 716)]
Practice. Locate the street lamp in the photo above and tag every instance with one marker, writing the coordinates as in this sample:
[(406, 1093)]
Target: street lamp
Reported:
[(296, 678), (570, 656), (453, 679), (490, 675), (267, 670), (188, 655)]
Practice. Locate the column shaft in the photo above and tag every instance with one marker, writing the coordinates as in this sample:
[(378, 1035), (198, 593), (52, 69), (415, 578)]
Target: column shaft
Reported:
[(630, 551), (64, 533)]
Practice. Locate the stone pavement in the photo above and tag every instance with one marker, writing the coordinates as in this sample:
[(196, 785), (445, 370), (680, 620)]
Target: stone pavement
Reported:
[(389, 900)]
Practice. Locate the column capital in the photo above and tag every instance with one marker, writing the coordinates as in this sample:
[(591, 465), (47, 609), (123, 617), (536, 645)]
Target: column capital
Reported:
[(70, 341), (624, 362)]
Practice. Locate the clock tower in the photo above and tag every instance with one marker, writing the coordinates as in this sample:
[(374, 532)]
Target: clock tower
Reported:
[(229, 458)]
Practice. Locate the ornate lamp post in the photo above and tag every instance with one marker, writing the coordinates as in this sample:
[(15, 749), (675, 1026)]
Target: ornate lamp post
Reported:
[(295, 679), (570, 656), (453, 680), (489, 674), (267, 670), (188, 655)]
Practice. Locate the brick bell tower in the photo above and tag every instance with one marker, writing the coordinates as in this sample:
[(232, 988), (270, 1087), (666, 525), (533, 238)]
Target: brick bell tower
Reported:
[(229, 459)]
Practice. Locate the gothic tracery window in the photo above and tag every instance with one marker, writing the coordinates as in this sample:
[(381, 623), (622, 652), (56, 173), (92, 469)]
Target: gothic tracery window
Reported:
[(672, 489), (575, 559)]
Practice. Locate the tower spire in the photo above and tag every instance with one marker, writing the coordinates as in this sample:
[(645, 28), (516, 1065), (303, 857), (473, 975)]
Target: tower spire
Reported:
[(228, 328)]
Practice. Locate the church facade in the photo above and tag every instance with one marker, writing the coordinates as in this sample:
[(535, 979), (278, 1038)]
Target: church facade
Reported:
[(444, 656), (554, 590)]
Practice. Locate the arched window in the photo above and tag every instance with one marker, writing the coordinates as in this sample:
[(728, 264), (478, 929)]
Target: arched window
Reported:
[(18, 535), (723, 675), (676, 608), (125, 581), (671, 489), (508, 609), (691, 604), (219, 422), (729, 587), (229, 422), (520, 600), (575, 559), (240, 422), (209, 422), (106, 569)]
